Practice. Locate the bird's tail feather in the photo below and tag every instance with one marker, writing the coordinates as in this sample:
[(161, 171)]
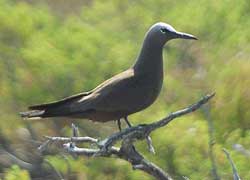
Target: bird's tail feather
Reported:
[(46, 112), (32, 115), (53, 109)]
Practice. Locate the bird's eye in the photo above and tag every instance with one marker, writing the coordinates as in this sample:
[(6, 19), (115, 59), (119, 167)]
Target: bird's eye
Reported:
[(164, 30)]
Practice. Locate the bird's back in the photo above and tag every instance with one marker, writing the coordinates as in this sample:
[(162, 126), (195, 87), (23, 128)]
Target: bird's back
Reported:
[(124, 94)]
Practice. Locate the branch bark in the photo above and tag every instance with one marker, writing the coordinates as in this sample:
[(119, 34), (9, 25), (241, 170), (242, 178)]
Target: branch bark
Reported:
[(127, 151), (211, 142), (235, 172)]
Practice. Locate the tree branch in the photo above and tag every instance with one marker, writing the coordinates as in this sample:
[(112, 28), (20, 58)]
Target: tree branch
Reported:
[(127, 151), (211, 143), (235, 173)]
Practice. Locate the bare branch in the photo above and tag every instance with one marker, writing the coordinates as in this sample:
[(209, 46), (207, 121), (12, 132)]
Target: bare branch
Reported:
[(127, 151), (85, 139), (89, 151), (75, 131), (235, 173), (150, 145), (51, 140), (182, 112), (211, 142)]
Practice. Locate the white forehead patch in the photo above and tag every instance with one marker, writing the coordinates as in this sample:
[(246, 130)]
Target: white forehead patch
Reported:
[(161, 25)]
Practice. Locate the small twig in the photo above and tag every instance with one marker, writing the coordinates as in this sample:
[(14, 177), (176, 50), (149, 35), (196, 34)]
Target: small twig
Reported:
[(235, 173), (150, 145), (75, 131), (211, 142)]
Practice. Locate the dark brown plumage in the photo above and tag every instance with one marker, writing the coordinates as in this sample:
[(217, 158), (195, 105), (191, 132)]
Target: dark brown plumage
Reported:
[(126, 93)]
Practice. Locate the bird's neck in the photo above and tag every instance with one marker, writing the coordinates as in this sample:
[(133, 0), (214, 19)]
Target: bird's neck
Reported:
[(150, 58)]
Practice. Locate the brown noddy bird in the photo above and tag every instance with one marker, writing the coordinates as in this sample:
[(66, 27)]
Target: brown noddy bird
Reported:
[(126, 93)]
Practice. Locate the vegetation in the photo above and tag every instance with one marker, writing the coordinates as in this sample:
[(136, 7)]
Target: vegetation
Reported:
[(50, 51)]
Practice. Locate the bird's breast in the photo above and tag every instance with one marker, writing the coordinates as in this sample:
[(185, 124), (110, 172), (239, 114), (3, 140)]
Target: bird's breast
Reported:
[(150, 86)]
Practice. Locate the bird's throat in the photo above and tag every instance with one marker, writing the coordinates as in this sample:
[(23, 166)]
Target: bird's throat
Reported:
[(150, 59)]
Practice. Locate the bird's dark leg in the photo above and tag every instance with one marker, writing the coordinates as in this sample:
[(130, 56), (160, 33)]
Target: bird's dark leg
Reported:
[(119, 124), (128, 123)]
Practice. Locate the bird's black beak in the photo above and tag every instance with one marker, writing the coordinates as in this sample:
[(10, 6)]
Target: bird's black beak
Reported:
[(185, 36)]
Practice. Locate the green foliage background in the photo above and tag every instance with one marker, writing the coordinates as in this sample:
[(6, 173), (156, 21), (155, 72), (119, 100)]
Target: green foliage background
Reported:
[(52, 49)]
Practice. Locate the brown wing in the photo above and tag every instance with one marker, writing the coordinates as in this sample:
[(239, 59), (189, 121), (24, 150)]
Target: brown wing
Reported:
[(123, 92), (60, 102)]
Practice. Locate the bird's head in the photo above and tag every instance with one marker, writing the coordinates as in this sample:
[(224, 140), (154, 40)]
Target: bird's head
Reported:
[(162, 32)]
